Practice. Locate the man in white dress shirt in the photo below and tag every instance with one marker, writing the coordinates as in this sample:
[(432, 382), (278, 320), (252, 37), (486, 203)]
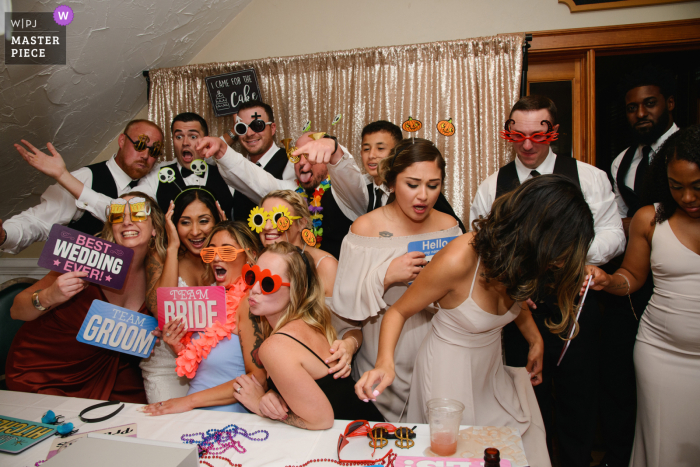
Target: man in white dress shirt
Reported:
[(649, 100), (112, 178), (531, 126)]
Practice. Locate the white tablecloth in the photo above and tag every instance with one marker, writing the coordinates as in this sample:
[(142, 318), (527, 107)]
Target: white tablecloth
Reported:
[(286, 445)]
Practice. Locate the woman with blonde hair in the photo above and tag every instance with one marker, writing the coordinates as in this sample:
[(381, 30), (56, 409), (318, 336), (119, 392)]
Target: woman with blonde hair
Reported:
[(213, 358), (287, 297), (284, 216), (46, 358)]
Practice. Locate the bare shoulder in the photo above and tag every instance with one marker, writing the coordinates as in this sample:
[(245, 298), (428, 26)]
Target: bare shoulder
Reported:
[(366, 225), (459, 255), (643, 220), (442, 221)]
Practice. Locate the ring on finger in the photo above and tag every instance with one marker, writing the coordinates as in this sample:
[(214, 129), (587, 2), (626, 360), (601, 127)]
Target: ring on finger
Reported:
[(167, 334), (238, 390)]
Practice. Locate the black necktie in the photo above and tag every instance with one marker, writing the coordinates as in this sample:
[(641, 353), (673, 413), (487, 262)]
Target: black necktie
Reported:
[(535, 173), (187, 172), (377, 198), (641, 170), (133, 183)]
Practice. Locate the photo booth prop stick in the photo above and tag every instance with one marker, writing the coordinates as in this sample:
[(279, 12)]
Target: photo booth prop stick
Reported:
[(228, 91), (68, 250), (17, 434), (200, 306), (414, 461), (578, 313), (119, 329)]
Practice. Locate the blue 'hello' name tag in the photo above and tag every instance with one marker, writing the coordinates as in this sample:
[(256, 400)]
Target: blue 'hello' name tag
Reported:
[(116, 328)]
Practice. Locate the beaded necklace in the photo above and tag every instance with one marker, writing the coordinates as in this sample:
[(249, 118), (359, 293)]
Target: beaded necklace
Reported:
[(387, 461), (213, 443), (198, 349), (315, 207)]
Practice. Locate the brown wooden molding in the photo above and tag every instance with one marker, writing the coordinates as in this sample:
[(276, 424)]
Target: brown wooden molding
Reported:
[(627, 36), (615, 4)]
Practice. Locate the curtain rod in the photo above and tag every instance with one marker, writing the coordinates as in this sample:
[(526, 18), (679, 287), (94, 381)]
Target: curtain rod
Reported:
[(523, 78)]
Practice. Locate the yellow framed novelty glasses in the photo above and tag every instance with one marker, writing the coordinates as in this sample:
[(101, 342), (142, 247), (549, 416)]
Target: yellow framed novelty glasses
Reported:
[(141, 144), (279, 216), (138, 207)]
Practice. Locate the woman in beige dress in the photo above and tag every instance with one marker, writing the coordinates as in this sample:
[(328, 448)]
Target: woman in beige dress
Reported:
[(666, 239), (480, 282), (375, 266)]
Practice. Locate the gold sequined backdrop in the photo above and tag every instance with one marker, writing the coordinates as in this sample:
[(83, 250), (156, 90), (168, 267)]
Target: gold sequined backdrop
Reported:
[(473, 81)]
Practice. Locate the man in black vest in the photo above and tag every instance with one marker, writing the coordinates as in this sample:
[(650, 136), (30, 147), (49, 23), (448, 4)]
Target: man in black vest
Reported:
[(364, 193), (188, 169), (254, 182), (531, 127), (648, 96), (257, 140), (111, 178)]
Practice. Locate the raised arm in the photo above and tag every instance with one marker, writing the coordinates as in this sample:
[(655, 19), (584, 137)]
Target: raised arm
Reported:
[(54, 289), (438, 279)]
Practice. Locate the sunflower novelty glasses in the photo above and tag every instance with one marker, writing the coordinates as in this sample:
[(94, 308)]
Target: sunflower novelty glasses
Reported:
[(141, 144), (279, 216), (257, 125), (269, 283), (540, 138), (226, 253), (138, 207), (379, 434)]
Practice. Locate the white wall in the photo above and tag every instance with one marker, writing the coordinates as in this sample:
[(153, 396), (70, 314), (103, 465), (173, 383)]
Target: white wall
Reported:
[(273, 28)]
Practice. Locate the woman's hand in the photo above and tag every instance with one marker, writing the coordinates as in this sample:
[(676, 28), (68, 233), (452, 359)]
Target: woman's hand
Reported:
[(341, 353), (173, 237), (173, 332), (64, 288), (222, 214), (381, 375), (598, 278), (177, 405), (534, 362), (248, 391), (273, 406), (54, 166), (405, 268)]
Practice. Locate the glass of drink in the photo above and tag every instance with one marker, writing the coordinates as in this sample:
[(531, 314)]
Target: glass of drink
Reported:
[(444, 416)]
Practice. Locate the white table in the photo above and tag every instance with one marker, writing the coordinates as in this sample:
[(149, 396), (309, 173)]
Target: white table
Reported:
[(286, 445)]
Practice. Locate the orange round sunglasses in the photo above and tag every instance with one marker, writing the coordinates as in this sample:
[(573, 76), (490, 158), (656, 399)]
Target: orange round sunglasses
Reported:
[(269, 283)]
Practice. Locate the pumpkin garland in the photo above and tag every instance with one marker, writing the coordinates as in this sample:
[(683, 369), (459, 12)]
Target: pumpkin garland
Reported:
[(412, 125), (446, 127)]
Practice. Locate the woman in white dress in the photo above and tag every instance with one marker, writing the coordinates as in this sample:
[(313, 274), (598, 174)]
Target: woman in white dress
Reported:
[(189, 220), (375, 266), (665, 239), (533, 242)]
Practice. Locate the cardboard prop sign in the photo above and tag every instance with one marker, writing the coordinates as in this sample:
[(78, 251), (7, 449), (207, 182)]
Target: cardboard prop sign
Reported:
[(68, 250), (414, 461), (230, 90), (200, 306), (16, 434), (60, 444), (119, 329)]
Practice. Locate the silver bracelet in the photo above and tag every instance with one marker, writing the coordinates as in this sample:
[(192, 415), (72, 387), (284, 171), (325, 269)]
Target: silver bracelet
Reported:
[(357, 344), (628, 293)]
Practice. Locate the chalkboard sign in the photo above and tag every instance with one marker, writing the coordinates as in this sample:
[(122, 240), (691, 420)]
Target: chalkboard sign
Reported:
[(230, 90)]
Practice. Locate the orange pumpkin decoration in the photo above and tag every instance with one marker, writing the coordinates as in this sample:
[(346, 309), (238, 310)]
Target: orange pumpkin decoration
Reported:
[(308, 236), (446, 127), (283, 224), (412, 125)]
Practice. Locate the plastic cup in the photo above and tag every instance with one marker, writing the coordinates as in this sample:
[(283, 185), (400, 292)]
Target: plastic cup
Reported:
[(444, 417)]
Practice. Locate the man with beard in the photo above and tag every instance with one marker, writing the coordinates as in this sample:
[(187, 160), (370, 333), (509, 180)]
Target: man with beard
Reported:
[(139, 147), (254, 128), (312, 182), (649, 100)]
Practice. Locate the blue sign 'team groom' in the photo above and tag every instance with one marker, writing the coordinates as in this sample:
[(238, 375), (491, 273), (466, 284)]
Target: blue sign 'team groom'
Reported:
[(116, 328)]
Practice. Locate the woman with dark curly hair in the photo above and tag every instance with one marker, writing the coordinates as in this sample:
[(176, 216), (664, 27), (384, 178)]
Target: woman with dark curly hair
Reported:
[(666, 239), (533, 243)]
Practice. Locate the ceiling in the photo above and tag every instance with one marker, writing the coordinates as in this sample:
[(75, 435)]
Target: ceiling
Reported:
[(83, 105)]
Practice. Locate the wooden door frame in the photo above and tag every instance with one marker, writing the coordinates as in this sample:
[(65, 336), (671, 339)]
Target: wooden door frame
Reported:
[(587, 43)]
